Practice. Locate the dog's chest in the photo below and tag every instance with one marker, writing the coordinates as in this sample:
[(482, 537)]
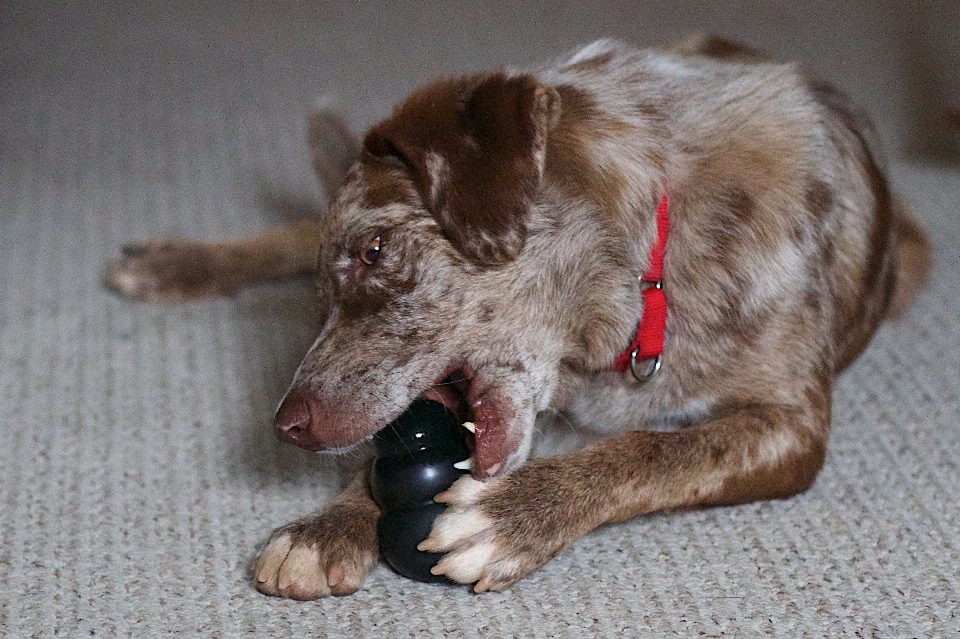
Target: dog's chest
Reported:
[(612, 403)]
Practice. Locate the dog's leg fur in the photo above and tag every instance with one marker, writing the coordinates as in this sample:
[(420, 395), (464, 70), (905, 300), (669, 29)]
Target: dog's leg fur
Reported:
[(326, 553), (497, 532), (177, 269)]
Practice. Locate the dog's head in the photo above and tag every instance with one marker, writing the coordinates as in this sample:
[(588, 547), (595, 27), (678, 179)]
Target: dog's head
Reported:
[(424, 282)]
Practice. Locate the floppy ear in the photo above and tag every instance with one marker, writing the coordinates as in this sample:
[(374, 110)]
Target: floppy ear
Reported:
[(476, 148)]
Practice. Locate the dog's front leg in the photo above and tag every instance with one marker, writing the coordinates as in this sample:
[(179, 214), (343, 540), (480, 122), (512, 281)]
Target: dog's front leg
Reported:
[(496, 532), (325, 553)]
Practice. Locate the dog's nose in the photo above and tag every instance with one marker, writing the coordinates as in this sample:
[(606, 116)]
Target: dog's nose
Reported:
[(293, 418)]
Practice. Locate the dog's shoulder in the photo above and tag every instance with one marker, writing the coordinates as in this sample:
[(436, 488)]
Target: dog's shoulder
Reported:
[(758, 159)]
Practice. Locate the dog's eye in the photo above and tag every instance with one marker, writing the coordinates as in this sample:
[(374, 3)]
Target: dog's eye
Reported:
[(372, 252)]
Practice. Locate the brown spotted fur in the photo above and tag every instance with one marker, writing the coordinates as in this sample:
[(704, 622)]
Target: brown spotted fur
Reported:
[(515, 213)]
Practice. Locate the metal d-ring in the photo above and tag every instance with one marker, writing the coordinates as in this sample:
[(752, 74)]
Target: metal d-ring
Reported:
[(633, 354), (645, 376)]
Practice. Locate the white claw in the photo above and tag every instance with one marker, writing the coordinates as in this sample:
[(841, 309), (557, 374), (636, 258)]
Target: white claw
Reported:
[(469, 426), (466, 464)]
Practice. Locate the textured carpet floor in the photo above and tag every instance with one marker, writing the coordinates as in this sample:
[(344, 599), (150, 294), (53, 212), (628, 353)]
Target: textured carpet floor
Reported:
[(137, 468)]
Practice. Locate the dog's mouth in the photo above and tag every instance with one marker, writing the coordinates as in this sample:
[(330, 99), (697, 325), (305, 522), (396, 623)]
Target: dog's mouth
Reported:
[(452, 389), (456, 389)]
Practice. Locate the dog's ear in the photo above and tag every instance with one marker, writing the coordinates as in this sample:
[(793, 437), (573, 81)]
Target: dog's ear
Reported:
[(333, 146), (476, 148)]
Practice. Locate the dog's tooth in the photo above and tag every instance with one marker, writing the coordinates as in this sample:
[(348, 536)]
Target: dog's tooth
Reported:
[(469, 426), (466, 464)]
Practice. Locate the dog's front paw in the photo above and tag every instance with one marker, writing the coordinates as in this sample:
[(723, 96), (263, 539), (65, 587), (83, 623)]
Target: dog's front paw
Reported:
[(496, 532), (171, 270), (327, 553)]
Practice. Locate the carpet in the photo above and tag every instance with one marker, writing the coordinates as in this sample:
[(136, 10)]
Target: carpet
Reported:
[(138, 470)]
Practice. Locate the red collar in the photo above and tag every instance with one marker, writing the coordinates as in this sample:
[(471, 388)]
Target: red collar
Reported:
[(648, 344)]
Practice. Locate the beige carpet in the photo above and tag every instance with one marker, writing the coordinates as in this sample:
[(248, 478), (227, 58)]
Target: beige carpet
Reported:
[(138, 470)]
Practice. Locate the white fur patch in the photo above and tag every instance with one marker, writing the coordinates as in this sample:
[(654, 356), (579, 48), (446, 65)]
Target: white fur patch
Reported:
[(439, 172), (301, 573), (777, 275), (466, 567), (501, 571), (770, 450), (127, 282), (452, 527), (464, 492), (592, 50), (273, 557)]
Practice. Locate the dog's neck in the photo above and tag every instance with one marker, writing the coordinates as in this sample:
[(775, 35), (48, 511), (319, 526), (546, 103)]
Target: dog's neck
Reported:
[(642, 358)]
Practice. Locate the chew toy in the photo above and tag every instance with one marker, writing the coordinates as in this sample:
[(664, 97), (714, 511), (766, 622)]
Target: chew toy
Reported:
[(419, 455)]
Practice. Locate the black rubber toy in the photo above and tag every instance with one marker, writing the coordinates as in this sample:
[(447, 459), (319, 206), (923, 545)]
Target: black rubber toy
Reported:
[(415, 461)]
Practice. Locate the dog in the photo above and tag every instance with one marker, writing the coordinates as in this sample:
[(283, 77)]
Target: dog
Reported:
[(496, 243)]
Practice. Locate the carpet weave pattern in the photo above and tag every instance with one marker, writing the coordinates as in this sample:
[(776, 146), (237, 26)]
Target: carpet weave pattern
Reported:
[(138, 471)]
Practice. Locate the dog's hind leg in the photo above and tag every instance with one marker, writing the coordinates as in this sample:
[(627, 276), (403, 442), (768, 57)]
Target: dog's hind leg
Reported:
[(177, 270)]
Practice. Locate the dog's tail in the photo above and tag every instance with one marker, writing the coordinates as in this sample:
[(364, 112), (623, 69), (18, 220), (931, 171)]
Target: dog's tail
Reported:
[(913, 258)]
